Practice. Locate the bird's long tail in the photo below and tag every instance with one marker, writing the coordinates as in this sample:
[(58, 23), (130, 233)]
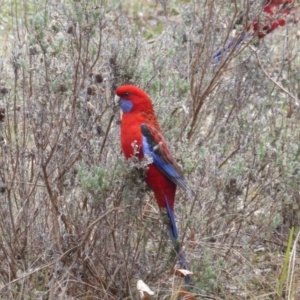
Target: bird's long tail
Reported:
[(234, 43), (173, 233)]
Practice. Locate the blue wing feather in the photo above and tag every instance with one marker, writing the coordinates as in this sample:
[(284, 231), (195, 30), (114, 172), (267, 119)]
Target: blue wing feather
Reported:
[(155, 146)]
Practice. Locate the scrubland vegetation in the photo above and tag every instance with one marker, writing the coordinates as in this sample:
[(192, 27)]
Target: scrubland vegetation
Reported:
[(76, 219)]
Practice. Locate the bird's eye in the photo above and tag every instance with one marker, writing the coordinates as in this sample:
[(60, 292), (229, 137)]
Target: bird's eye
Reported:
[(126, 94)]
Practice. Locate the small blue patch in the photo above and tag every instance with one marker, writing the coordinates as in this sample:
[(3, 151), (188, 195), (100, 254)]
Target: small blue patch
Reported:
[(146, 148), (126, 105)]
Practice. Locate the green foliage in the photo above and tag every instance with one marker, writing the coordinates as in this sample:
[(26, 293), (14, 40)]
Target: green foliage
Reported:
[(94, 180), (39, 24), (286, 263), (208, 272)]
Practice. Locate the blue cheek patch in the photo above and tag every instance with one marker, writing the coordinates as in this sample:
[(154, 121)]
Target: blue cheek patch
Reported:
[(126, 105)]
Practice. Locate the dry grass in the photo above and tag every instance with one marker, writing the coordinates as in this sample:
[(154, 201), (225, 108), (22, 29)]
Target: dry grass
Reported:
[(77, 221)]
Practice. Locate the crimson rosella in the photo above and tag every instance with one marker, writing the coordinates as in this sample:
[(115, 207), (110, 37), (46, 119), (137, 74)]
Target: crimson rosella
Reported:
[(274, 14), (139, 127)]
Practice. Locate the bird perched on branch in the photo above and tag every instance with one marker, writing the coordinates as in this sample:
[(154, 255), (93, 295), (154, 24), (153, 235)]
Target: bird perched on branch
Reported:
[(273, 15), (141, 136)]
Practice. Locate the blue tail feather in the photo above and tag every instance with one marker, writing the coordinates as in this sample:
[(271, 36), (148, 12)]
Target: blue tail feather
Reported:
[(173, 233), (221, 53)]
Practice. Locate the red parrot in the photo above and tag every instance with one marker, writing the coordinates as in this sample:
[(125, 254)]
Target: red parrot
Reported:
[(139, 126), (274, 14)]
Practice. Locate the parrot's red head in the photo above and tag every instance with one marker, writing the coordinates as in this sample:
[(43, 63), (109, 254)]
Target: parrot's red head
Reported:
[(133, 99)]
